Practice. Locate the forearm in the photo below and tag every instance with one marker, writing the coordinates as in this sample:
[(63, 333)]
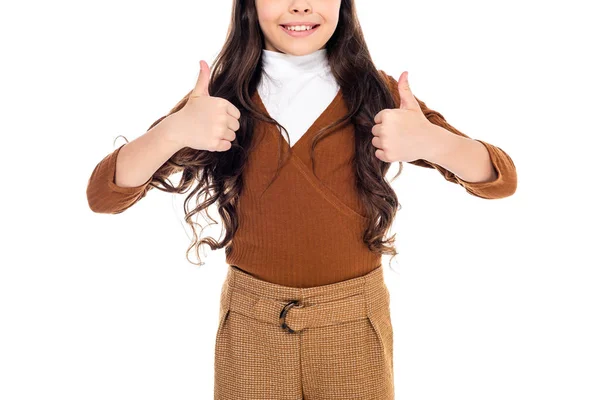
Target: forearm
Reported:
[(465, 157), (139, 159)]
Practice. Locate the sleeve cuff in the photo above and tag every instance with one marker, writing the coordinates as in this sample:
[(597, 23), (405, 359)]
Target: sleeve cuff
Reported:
[(505, 183)]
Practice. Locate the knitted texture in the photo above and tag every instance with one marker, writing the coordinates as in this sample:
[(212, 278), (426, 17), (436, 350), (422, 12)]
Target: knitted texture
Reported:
[(306, 228)]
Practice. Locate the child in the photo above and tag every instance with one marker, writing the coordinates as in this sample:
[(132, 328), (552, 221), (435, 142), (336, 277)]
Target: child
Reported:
[(304, 308)]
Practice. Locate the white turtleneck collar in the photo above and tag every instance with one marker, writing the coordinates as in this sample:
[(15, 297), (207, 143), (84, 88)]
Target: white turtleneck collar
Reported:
[(296, 89), (284, 67)]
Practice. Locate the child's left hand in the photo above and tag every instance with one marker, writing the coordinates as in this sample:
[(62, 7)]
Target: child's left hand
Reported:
[(403, 134)]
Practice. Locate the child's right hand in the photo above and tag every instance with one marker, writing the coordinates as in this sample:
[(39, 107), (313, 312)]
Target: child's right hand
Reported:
[(205, 122)]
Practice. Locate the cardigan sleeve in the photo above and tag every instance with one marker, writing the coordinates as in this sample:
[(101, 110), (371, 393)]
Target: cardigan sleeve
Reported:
[(505, 183), (103, 194)]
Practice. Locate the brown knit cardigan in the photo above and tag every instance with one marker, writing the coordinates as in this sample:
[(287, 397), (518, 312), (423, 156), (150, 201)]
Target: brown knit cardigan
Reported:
[(306, 229)]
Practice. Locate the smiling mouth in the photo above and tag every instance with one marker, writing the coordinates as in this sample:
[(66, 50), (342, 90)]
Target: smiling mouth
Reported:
[(304, 30)]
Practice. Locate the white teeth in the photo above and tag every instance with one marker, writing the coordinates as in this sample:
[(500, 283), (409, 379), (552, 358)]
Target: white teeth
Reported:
[(298, 28)]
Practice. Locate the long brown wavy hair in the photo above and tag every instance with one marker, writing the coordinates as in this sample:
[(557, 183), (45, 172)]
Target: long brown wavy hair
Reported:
[(234, 76)]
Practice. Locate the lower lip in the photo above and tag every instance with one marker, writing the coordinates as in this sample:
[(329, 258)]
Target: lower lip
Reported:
[(300, 33)]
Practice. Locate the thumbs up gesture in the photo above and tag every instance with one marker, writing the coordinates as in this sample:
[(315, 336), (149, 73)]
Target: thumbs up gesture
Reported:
[(206, 122), (402, 134)]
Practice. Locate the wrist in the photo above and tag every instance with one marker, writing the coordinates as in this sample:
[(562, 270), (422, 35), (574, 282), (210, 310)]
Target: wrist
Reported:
[(168, 132)]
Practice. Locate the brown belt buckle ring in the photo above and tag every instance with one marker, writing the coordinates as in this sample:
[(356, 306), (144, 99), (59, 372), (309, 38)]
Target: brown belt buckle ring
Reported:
[(284, 312)]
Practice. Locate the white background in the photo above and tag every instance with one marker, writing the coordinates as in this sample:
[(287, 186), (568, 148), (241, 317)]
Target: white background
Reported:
[(491, 299)]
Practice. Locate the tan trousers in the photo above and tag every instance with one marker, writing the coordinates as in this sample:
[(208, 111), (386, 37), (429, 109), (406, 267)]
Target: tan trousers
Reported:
[(320, 343)]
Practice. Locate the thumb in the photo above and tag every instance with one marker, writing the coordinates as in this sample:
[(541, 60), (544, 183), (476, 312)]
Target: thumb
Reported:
[(407, 99), (201, 88)]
